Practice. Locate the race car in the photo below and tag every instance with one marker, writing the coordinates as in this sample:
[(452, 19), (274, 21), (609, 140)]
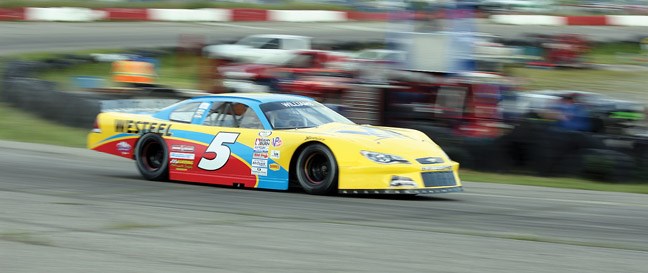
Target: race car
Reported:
[(274, 141)]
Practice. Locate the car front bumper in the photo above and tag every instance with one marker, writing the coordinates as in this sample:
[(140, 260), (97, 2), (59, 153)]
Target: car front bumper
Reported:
[(400, 179)]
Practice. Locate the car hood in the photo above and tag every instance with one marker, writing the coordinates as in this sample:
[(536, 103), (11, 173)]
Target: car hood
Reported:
[(408, 143)]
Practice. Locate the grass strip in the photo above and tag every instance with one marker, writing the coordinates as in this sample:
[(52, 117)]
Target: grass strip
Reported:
[(554, 182), (18, 125), (174, 70)]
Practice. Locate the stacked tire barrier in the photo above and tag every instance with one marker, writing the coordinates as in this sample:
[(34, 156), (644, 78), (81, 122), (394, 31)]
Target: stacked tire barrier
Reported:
[(22, 89), (537, 149), (532, 147)]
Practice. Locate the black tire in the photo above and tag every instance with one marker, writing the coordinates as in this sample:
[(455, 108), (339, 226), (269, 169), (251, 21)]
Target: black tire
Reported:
[(152, 157), (317, 170)]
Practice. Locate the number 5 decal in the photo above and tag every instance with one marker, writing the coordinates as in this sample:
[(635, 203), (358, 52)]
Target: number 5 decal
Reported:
[(217, 154)]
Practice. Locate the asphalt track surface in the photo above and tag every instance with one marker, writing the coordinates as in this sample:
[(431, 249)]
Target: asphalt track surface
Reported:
[(73, 210)]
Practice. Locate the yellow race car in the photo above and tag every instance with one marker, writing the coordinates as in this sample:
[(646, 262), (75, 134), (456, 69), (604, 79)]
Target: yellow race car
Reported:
[(274, 141)]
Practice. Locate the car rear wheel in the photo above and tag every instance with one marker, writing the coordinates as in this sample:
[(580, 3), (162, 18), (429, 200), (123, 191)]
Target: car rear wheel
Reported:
[(317, 170), (152, 157)]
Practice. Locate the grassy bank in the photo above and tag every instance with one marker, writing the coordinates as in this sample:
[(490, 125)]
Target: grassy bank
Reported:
[(21, 126), (180, 72), (619, 84), (554, 182)]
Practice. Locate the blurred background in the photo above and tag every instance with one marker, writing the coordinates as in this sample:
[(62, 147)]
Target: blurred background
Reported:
[(547, 93)]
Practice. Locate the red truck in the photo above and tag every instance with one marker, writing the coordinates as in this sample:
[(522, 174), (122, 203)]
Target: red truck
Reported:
[(274, 69)]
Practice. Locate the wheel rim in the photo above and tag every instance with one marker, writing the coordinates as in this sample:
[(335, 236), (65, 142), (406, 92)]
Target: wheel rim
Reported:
[(153, 154), (317, 168)]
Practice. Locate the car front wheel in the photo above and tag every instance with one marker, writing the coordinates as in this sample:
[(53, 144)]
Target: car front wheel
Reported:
[(317, 170)]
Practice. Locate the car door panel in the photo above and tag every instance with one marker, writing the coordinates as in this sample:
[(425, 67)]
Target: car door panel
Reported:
[(252, 157)]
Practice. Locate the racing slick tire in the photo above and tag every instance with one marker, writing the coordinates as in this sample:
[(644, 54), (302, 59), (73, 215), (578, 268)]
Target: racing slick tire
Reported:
[(152, 157), (317, 170)]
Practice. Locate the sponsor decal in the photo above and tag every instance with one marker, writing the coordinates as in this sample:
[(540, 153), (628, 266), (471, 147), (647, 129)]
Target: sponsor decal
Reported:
[(181, 161), (182, 155), (260, 155), (260, 171), (265, 133), (314, 138), (276, 142), (297, 103), (181, 164), (260, 163), (436, 168), (142, 127), (260, 149), (430, 160), (124, 147), (262, 142), (274, 167), (274, 154), (182, 148)]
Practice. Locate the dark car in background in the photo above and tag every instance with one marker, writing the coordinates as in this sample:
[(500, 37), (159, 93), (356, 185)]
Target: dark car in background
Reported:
[(606, 114)]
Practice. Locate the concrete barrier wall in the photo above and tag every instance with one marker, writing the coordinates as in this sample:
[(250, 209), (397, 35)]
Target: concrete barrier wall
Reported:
[(64, 14), (196, 15), (307, 16), (119, 14), (544, 20), (599, 20), (628, 20), (73, 14), (12, 14), (249, 15)]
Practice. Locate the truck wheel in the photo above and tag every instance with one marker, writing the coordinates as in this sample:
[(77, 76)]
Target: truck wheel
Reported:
[(317, 170), (152, 157)]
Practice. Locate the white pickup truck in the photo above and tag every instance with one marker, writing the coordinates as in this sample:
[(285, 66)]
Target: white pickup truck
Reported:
[(256, 46)]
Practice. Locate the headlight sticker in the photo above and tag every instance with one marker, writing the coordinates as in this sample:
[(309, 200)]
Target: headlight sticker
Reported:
[(384, 158)]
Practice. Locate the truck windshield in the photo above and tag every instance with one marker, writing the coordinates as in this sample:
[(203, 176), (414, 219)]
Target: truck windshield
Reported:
[(300, 114), (259, 42)]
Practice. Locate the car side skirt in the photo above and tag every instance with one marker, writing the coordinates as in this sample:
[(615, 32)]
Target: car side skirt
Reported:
[(403, 191)]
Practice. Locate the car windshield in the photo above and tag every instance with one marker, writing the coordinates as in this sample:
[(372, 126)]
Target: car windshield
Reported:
[(299, 114)]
